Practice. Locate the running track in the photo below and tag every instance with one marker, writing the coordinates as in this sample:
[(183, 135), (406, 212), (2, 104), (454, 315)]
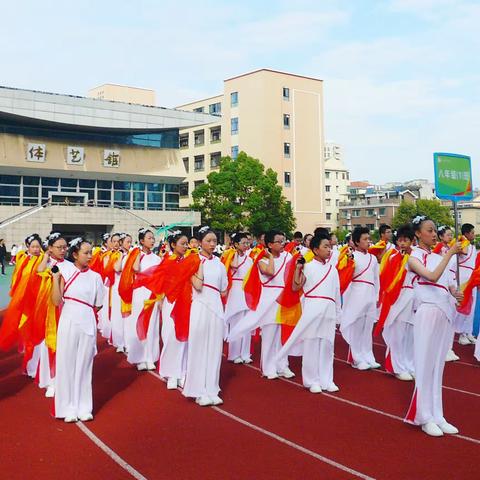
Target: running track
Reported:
[(265, 430)]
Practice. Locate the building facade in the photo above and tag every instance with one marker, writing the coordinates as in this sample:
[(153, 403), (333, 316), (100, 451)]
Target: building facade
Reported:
[(87, 165), (123, 93), (273, 116), (337, 182)]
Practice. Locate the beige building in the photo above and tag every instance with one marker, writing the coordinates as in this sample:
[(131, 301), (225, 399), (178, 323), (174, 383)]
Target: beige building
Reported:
[(273, 116), (123, 93), (469, 212), (337, 182)]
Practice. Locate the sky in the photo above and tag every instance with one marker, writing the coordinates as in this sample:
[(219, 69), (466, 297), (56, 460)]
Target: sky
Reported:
[(401, 77)]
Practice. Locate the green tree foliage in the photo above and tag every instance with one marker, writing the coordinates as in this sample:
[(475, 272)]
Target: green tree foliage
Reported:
[(341, 234), (431, 208), (242, 195)]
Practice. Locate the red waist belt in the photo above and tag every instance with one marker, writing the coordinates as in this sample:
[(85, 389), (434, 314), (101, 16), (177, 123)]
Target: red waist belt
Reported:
[(319, 296), (212, 287)]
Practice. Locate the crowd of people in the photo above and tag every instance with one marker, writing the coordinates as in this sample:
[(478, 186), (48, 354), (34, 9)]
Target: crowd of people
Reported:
[(172, 306)]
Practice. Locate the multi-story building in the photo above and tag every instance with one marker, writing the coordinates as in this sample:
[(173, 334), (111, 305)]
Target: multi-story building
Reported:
[(88, 166), (123, 93), (337, 182), (273, 116)]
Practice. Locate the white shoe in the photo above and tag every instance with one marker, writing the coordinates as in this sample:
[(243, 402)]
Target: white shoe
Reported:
[(119, 350), (374, 365), (172, 383), (181, 382), (71, 419), (472, 339), (332, 388), (204, 401), (272, 377), (86, 418), (238, 360), (315, 389), (142, 366), (432, 429), (446, 427), (287, 373), (404, 376), (451, 356), (362, 366), (463, 339), (50, 393), (216, 400), (151, 366), (247, 360)]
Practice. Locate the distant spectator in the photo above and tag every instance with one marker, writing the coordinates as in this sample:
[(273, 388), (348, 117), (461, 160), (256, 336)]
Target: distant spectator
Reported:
[(3, 255), (13, 254)]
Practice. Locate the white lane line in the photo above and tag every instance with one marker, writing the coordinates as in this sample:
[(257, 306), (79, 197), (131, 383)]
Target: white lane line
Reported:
[(106, 449), (313, 454), (293, 445), (466, 392), (363, 407)]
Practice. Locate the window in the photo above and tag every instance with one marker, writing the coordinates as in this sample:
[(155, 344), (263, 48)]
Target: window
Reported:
[(337, 188), (344, 214), (199, 163), (286, 150), (186, 164), (122, 185), (121, 197), (327, 174), (370, 226), (370, 212), (235, 152), (287, 180), (329, 216), (234, 99), (11, 179), (327, 202), (199, 109), (215, 134), (199, 137), (337, 203), (52, 182), (31, 180), (286, 120), (86, 183), (30, 192), (184, 189), (183, 140), (286, 93), (327, 188), (198, 183), (381, 212), (215, 108), (215, 159), (234, 125), (356, 213), (343, 176), (336, 175)]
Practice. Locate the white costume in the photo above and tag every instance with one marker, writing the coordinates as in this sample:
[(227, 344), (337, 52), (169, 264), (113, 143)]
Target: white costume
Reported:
[(237, 308), (148, 350), (398, 329), (265, 317), (360, 309), (433, 333), (117, 322), (76, 344), (205, 340), (315, 331)]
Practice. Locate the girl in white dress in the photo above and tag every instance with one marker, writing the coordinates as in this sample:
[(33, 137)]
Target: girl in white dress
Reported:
[(145, 351), (205, 341), (236, 307), (435, 295), (82, 297)]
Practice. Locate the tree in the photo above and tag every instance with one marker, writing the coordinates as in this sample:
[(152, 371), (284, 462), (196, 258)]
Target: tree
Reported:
[(431, 208), (341, 234), (242, 195)]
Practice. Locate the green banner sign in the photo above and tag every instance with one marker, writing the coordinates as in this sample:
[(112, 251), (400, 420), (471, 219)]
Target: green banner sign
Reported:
[(453, 176)]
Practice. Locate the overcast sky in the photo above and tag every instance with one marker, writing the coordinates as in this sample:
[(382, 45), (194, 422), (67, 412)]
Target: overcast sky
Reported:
[(401, 77)]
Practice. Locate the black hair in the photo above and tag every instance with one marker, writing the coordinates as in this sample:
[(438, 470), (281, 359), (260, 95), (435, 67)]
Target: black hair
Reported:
[(119, 235), (142, 232), (174, 238), (418, 221), (123, 236), (239, 236), (74, 247), (320, 231), (105, 237), (405, 231), (357, 234), (31, 238), (332, 234), (348, 238), (317, 240), (443, 230), (203, 232), (53, 237), (306, 236), (270, 236), (383, 228), (467, 228), (298, 235)]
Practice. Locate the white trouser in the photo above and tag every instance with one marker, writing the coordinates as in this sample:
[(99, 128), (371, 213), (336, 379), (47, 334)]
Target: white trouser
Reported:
[(317, 362), (74, 362), (148, 350), (32, 364), (45, 379), (239, 348), (173, 359), (399, 339), (432, 338), (271, 345), (359, 336)]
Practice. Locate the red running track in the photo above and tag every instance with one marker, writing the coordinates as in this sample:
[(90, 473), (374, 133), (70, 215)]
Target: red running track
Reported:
[(265, 430)]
